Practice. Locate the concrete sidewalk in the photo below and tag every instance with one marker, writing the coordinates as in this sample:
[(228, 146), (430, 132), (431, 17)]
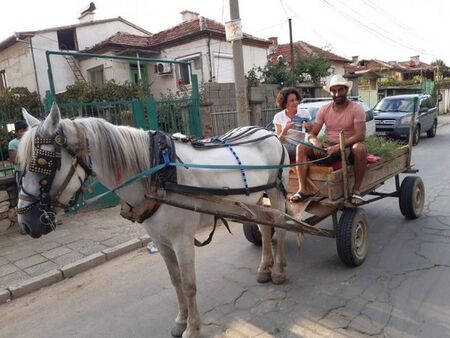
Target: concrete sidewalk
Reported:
[(83, 240)]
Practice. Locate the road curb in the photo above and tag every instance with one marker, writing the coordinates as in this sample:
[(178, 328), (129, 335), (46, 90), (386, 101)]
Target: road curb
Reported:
[(67, 271), (36, 283)]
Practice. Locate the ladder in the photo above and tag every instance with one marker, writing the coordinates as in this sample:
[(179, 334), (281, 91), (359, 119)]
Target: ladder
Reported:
[(73, 64)]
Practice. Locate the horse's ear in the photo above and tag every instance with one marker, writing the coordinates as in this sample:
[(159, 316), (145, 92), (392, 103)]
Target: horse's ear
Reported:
[(30, 119), (51, 123)]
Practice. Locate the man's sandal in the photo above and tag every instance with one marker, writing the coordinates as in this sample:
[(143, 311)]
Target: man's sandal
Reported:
[(357, 199)]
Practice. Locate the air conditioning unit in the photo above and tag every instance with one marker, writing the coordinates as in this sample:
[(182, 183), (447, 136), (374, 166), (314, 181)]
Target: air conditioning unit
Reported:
[(164, 68)]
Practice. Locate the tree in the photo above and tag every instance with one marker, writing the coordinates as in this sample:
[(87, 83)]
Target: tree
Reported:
[(315, 66), (276, 73), (306, 68), (442, 69), (439, 63)]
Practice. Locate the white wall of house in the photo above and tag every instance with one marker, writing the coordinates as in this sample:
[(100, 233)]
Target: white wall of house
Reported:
[(62, 74), (216, 62), (88, 36), (337, 68), (17, 63)]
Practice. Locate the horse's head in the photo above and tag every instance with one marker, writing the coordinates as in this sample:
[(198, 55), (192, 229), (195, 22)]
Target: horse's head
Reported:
[(52, 160)]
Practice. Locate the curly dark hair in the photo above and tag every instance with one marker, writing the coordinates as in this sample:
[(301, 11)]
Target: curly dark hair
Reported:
[(283, 96)]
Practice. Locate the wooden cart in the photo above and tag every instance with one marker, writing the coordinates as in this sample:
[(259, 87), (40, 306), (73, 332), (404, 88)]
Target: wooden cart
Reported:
[(351, 230)]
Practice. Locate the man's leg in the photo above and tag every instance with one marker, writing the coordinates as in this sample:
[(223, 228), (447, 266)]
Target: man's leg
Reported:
[(359, 165)]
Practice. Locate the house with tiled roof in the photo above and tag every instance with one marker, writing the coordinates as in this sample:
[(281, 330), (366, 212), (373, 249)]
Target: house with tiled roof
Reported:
[(197, 40), (398, 70), (304, 49), (23, 60), (367, 73)]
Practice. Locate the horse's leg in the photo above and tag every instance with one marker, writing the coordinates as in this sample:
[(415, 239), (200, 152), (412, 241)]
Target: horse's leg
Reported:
[(186, 258), (174, 271), (265, 266), (278, 201)]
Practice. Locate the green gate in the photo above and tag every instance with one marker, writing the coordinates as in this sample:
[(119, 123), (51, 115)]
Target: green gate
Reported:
[(174, 115)]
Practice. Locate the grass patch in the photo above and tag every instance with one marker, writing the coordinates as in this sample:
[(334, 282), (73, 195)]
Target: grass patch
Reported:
[(376, 145), (381, 146)]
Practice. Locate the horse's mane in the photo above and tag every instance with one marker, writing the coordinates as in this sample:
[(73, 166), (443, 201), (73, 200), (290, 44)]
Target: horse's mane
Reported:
[(121, 150)]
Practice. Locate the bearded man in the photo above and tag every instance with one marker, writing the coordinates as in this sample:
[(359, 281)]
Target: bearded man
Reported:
[(339, 115)]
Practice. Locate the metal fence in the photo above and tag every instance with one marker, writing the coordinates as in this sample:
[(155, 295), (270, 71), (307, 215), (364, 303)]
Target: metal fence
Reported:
[(116, 112), (224, 118), (267, 114)]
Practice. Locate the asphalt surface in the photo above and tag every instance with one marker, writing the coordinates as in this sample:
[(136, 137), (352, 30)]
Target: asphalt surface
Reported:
[(84, 240)]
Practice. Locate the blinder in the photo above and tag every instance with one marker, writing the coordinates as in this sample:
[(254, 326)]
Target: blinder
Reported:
[(46, 163)]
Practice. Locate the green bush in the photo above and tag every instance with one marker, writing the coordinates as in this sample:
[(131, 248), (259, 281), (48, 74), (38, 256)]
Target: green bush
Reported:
[(13, 99), (109, 91)]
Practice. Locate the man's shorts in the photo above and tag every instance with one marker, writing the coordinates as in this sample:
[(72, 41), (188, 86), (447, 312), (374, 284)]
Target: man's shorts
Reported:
[(323, 159)]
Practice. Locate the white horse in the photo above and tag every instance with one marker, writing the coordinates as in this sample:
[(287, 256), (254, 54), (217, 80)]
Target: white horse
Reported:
[(57, 154)]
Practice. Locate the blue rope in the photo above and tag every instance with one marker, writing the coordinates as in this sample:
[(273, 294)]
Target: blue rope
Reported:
[(241, 169)]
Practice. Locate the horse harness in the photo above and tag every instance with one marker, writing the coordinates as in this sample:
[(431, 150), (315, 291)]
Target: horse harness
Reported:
[(46, 163), (162, 151)]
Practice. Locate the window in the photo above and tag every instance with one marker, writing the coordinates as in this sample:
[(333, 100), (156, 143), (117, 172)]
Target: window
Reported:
[(134, 73), (425, 104), (185, 73), (96, 76), (67, 39), (3, 80)]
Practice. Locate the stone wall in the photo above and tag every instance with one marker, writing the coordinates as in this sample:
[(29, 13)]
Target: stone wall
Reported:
[(223, 94), (8, 202)]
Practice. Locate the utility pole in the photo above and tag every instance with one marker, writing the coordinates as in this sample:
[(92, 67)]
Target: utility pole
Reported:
[(243, 116), (291, 44)]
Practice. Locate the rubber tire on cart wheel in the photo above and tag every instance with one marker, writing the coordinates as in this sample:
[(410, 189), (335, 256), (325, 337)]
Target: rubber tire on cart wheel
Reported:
[(416, 135), (252, 233), (432, 131), (412, 197), (352, 236)]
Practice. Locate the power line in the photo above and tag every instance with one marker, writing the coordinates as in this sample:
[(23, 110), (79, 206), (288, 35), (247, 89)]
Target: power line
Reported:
[(372, 31)]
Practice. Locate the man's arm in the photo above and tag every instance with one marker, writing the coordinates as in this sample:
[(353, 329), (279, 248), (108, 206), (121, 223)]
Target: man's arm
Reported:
[(12, 155), (12, 150)]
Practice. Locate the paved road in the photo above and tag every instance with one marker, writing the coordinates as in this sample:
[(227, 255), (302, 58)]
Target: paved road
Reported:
[(402, 289)]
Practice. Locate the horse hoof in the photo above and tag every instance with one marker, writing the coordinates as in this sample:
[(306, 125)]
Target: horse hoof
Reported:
[(263, 277), (178, 329), (278, 278)]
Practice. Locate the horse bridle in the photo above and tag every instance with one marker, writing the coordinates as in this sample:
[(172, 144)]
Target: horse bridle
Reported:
[(46, 163)]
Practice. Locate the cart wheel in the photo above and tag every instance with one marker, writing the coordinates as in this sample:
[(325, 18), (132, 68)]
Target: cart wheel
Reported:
[(252, 233), (351, 236), (412, 197)]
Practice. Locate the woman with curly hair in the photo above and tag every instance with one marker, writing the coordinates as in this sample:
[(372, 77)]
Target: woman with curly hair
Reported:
[(291, 117)]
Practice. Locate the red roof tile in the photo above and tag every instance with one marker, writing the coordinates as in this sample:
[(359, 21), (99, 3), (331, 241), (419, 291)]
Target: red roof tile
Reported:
[(187, 30), (304, 49), (196, 27), (378, 65)]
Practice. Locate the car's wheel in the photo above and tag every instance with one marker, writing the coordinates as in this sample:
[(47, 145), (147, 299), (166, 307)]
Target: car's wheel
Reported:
[(416, 135), (432, 131), (412, 197), (352, 236), (252, 233)]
